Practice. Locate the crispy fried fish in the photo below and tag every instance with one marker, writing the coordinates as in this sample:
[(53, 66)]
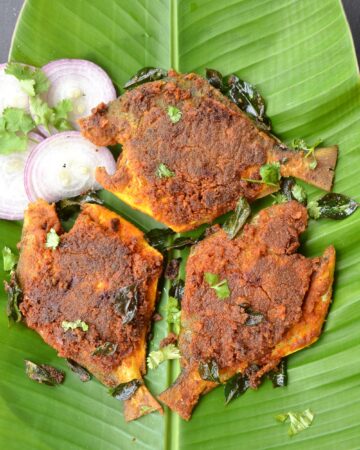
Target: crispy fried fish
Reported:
[(277, 304), (104, 274), (190, 172)]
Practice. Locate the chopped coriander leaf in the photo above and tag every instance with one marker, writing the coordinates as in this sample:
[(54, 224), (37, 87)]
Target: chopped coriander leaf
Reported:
[(52, 239), (164, 172), (299, 193), (174, 114), (270, 175), (11, 142), (300, 144), (299, 421), (145, 409), (9, 259), (156, 357), (73, 325), (17, 120), (173, 313), (56, 117), (33, 81), (221, 288)]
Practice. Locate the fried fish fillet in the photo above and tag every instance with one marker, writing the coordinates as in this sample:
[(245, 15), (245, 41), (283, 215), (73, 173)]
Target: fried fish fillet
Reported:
[(266, 277), (207, 154), (82, 279)]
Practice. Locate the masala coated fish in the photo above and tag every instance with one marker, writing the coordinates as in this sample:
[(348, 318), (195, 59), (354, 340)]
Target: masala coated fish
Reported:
[(104, 275), (276, 304), (206, 156)]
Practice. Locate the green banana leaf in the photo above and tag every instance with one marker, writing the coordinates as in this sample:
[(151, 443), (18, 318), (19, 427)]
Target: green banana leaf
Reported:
[(300, 55)]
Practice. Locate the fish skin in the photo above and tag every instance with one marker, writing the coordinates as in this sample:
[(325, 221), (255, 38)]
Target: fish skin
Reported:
[(214, 329), (211, 150)]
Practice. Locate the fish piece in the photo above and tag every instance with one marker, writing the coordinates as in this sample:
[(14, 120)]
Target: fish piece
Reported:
[(207, 153), (84, 279), (285, 292)]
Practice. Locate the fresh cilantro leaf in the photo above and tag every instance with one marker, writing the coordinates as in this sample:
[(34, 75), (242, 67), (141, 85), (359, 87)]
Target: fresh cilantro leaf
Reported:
[(173, 313), (9, 259), (299, 421), (17, 120), (270, 175), (56, 117), (72, 325), (62, 110), (221, 288), (164, 172), (174, 114), (11, 142), (300, 144), (299, 193), (33, 81), (156, 357), (52, 239)]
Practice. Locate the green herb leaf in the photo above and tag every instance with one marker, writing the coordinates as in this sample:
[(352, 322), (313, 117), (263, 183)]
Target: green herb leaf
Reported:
[(9, 259), (332, 206), (174, 114), (43, 373), (156, 357), (11, 142), (238, 218), (61, 111), (68, 206), (279, 376), (164, 172), (15, 296), (124, 391), (107, 349), (52, 239), (270, 175), (209, 371), (126, 303), (56, 117), (73, 325), (216, 79), (235, 387), (173, 313), (33, 81), (144, 76), (159, 238), (83, 374), (17, 120), (300, 144), (299, 421), (221, 288), (290, 190)]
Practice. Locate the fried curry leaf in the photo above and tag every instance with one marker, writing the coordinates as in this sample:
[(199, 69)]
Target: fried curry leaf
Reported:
[(15, 296), (164, 172), (68, 206), (9, 259), (73, 325), (107, 349), (290, 190), (221, 288), (332, 206), (126, 302), (174, 114), (235, 387), (177, 289), (243, 94), (237, 220), (145, 75), (83, 374), (172, 268), (300, 144), (173, 313), (43, 373), (254, 318), (124, 391), (156, 357), (33, 81), (159, 238), (52, 239), (279, 376), (299, 421), (209, 371)]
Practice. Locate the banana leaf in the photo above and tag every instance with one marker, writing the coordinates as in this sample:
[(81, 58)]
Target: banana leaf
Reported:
[(300, 55)]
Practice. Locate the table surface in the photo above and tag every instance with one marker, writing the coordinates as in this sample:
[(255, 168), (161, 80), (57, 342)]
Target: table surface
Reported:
[(10, 10)]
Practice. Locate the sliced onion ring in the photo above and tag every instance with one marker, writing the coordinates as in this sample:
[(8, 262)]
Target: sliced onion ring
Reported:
[(64, 166), (81, 81), (11, 94), (13, 198)]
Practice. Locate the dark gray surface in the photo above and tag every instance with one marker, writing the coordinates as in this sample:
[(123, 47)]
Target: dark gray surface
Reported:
[(9, 10)]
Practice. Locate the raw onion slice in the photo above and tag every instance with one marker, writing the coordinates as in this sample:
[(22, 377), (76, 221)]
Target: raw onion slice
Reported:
[(81, 81), (11, 94), (64, 166), (13, 198)]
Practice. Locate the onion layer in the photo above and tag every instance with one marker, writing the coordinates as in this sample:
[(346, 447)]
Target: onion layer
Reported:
[(83, 82), (13, 198), (64, 166)]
